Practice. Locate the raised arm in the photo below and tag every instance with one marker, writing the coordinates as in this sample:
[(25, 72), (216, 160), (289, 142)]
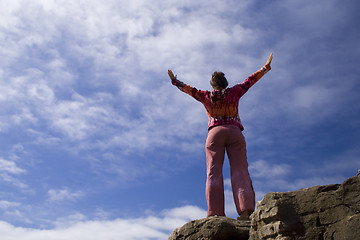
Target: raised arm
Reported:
[(253, 78), (195, 93)]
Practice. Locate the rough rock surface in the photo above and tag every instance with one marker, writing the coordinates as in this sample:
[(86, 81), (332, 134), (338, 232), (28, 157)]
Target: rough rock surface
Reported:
[(212, 228), (321, 212), (330, 212)]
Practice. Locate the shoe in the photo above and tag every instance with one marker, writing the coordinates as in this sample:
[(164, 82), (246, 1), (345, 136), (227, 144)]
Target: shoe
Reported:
[(245, 215)]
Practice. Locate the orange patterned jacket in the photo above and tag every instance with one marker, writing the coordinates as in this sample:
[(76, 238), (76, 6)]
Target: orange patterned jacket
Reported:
[(222, 105)]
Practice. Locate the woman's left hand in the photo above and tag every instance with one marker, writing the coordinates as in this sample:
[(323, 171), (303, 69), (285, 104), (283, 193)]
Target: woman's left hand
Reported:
[(171, 75)]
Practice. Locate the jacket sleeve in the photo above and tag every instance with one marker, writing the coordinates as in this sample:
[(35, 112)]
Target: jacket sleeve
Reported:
[(243, 87), (199, 95)]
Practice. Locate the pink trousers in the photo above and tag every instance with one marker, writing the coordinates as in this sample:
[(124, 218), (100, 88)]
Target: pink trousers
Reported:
[(231, 139)]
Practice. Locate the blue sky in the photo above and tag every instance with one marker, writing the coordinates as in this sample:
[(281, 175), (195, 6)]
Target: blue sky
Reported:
[(96, 143)]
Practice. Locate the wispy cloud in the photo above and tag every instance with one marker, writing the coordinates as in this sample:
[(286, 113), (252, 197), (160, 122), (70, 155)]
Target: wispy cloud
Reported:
[(64, 194), (80, 79), (6, 204), (88, 79), (10, 167), (263, 169), (9, 172)]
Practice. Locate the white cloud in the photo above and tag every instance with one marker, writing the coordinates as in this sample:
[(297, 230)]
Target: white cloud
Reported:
[(150, 227), (12, 180), (64, 194), (120, 41), (9, 172), (185, 212), (313, 181), (10, 167), (281, 177), (263, 169), (6, 204), (69, 221)]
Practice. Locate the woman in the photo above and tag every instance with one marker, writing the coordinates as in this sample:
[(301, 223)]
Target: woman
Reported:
[(225, 134)]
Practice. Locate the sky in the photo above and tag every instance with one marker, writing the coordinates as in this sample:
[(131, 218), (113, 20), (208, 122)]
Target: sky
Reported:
[(95, 142)]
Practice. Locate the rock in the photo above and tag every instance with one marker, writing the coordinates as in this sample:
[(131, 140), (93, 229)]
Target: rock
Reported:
[(330, 212), (212, 228), (320, 212)]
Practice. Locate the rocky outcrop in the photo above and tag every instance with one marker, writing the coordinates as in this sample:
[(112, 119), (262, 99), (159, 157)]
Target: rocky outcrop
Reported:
[(212, 228), (320, 212), (330, 212)]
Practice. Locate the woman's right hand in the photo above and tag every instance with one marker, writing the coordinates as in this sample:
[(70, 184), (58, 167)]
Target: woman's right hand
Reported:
[(269, 60)]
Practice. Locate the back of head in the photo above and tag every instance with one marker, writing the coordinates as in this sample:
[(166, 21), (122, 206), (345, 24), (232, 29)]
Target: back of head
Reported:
[(218, 81)]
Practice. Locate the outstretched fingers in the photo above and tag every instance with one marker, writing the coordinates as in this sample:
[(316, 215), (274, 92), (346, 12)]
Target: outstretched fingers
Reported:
[(269, 59), (171, 75)]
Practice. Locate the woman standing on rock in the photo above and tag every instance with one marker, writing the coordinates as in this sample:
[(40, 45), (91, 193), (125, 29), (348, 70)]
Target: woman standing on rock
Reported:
[(225, 133)]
